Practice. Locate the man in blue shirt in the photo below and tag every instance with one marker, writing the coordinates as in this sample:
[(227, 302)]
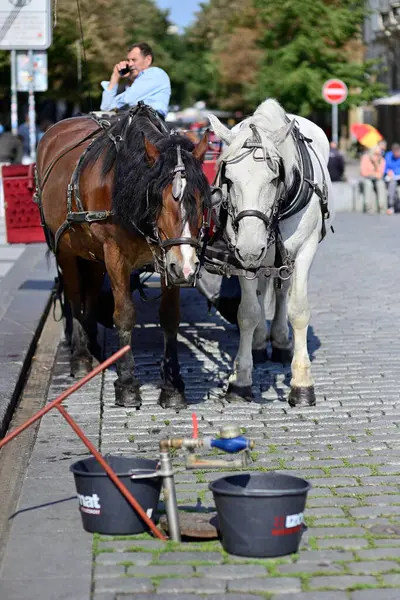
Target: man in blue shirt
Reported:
[(151, 84), (392, 173)]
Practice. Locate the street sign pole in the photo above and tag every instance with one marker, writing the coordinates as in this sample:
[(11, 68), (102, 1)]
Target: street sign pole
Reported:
[(14, 96), (32, 113), (334, 91), (335, 123)]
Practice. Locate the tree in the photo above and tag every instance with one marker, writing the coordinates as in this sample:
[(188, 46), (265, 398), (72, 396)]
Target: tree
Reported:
[(224, 41), (304, 44)]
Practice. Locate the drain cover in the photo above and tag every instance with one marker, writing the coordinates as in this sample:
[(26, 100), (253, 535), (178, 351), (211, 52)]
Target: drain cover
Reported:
[(194, 524)]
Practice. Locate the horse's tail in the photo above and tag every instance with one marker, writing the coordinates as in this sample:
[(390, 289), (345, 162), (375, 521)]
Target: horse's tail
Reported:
[(269, 301)]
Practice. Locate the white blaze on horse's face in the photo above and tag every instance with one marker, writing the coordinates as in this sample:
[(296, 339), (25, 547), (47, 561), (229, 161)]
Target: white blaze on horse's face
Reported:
[(182, 261)]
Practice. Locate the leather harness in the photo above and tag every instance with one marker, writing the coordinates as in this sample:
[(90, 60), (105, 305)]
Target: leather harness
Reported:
[(220, 258), (81, 216)]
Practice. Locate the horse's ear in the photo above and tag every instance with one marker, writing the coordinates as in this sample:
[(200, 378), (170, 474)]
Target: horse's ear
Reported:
[(280, 135), (220, 130), (201, 148), (151, 150)]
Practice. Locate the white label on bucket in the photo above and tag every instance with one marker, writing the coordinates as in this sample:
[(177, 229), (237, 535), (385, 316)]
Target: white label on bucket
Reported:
[(294, 520), (89, 504), (149, 512)]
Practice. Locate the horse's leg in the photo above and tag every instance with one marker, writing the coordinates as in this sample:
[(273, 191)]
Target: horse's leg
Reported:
[(81, 359), (172, 387), (302, 384), (282, 351), (126, 385), (92, 278), (259, 349), (249, 314)]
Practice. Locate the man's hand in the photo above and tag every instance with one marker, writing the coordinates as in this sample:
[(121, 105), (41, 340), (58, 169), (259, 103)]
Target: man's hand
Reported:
[(115, 76), (390, 173)]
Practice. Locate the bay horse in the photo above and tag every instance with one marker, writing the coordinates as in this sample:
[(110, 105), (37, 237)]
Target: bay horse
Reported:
[(277, 204), (116, 195)]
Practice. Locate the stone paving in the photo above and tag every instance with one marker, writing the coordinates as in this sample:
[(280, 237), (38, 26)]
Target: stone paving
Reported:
[(348, 446)]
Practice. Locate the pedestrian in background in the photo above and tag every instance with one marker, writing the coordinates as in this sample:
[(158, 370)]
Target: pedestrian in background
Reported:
[(335, 163), (392, 175), (372, 169), (383, 147)]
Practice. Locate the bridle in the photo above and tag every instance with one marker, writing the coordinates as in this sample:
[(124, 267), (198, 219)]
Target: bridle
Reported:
[(154, 240), (251, 146)]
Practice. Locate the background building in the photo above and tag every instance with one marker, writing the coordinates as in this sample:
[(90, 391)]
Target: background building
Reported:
[(382, 41)]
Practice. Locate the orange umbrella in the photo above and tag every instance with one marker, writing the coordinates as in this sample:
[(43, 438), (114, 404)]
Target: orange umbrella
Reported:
[(366, 134)]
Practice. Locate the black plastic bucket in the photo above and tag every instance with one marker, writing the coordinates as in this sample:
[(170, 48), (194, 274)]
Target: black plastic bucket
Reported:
[(102, 506), (260, 514)]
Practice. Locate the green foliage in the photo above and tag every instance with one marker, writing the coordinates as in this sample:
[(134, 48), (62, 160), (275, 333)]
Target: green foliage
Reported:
[(304, 44), (236, 53)]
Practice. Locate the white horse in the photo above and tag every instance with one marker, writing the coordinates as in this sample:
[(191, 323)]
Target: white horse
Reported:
[(266, 178)]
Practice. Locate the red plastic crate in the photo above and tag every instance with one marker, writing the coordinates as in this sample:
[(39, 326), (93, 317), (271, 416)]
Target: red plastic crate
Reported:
[(22, 214)]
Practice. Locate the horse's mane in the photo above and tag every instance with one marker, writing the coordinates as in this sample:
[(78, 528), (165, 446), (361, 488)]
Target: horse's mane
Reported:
[(137, 187), (269, 117)]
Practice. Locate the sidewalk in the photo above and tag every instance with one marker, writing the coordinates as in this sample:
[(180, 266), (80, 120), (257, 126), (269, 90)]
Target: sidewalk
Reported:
[(25, 284)]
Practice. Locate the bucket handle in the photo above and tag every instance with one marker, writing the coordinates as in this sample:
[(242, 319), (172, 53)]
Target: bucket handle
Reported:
[(152, 475)]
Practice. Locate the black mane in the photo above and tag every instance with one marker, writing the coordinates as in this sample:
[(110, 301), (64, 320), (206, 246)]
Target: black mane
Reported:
[(137, 187)]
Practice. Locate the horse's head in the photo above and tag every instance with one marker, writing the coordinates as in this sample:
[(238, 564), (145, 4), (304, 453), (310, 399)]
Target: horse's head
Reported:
[(184, 191), (252, 169)]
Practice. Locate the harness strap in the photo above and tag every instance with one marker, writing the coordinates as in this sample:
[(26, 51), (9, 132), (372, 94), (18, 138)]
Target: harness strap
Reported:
[(179, 242), (41, 184), (251, 213)]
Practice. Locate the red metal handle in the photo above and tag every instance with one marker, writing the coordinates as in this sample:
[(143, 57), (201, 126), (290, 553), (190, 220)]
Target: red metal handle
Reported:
[(65, 394)]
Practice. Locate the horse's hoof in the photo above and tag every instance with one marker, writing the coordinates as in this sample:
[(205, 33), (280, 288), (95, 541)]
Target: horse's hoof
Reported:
[(172, 399), (81, 365), (302, 396), (127, 396), (238, 393), (259, 356), (282, 355)]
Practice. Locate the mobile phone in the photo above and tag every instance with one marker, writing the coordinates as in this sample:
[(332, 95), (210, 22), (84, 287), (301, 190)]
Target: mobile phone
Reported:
[(124, 71)]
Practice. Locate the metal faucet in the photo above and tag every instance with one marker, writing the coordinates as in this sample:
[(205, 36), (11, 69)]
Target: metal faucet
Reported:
[(230, 440)]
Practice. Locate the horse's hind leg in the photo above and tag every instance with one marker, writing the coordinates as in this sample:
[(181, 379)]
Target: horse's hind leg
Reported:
[(92, 279), (81, 359), (126, 385), (282, 351), (302, 384), (172, 387)]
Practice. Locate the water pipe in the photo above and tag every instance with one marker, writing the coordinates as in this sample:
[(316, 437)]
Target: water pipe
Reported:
[(230, 440)]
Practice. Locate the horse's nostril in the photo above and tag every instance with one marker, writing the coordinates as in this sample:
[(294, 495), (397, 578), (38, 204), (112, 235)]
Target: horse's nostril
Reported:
[(262, 252), (173, 270), (238, 253)]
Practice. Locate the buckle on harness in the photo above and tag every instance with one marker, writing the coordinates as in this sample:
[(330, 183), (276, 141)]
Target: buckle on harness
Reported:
[(96, 216)]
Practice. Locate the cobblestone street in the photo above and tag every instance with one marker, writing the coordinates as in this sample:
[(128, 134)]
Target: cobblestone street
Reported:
[(348, 446)]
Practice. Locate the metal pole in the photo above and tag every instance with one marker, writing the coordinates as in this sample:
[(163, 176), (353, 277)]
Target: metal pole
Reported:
[(32, 113), (171, 504), (14, 96), (335, 123)]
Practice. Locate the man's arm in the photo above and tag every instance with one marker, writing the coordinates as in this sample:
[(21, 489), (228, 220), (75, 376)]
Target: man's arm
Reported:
[(148, 82)]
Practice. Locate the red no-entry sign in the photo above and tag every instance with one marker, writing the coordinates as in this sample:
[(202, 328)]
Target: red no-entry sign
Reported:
[(334, 91)]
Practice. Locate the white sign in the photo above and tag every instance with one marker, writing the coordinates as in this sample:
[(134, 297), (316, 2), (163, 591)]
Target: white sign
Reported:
[(25, 24), (39, 72)]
